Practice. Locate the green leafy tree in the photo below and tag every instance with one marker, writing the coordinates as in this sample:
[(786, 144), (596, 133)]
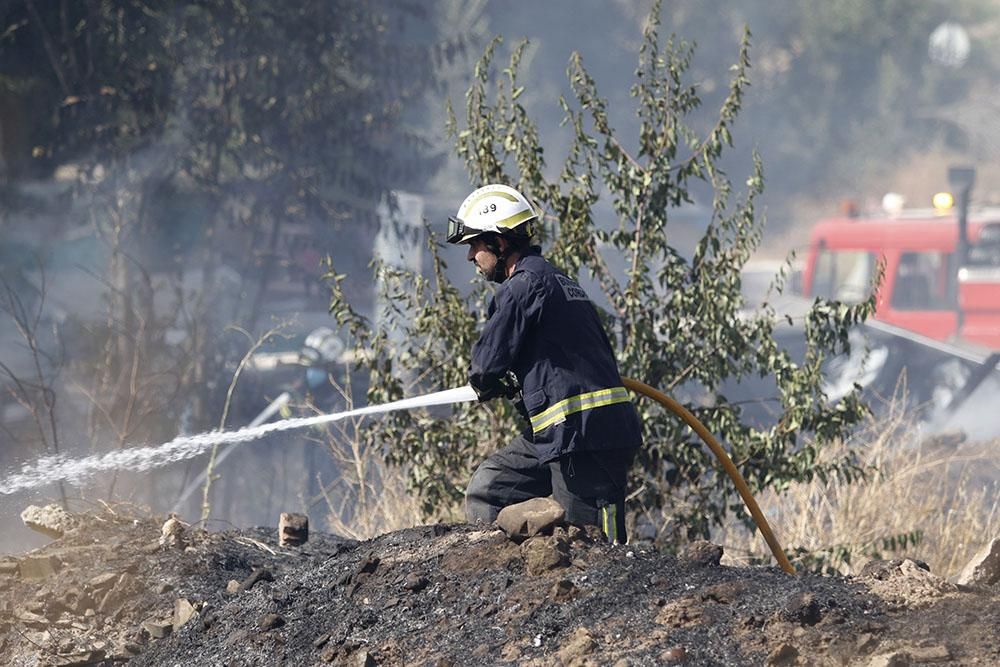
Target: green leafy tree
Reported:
[(678, 320)]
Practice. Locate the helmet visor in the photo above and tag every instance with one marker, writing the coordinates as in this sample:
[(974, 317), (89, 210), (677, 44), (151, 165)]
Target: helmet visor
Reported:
[(456, 230)]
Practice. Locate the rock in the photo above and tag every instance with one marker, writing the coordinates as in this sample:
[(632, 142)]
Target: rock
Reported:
[(125, 585), (530, 518), (930, 654), (102, 581), (34, 568), (183, 611), (865, 641), (510, 653), (51, 520), (682, 613), (579, 644), (673, 655), (8, 567), (562, 591), (363, 659), (131, 649), (233, 587), (893, 659), (368, 566), (151, 548), (321, 641), (270, 621), (162, 588), (542, 554), (172, 534), (905, 582), (415, 582), (984, 568), (727, 592), (293, 529), (77, 658), (76, 601), (32, 619), (702, 552), (158, 628), (802, 608), (786, 654), (259, 574)]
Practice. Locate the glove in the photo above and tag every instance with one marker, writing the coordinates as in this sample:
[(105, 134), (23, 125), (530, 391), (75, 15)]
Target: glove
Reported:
[(505, 386)]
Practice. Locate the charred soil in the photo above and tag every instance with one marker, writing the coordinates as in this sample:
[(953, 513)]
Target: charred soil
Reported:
[(115, 588)]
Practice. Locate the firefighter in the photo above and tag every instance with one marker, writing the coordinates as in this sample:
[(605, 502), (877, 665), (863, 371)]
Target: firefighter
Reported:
[(544, 344)]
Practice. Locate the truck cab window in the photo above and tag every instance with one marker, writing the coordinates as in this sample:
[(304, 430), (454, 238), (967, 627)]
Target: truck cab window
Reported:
[(922, 282), (843, 275)]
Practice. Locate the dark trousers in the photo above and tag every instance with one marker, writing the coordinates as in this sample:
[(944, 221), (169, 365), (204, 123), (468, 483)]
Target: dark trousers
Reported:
[(589, 485)]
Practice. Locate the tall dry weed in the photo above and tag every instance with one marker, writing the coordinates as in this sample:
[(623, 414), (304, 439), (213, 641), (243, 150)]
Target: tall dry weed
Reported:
[(932, 498), (369, 496)]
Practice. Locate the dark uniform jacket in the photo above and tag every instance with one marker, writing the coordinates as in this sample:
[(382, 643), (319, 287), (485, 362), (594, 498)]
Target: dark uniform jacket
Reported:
[(543, 327)]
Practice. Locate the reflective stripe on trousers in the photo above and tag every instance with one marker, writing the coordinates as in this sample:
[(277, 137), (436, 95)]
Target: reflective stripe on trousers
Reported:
[(594, 399), (612, 519)]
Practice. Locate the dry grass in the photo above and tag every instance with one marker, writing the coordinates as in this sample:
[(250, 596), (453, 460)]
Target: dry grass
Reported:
[(369, 497), (946, 490)]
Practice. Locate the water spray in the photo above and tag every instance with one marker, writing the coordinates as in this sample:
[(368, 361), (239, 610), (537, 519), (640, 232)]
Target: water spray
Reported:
[(265, 414), (50, 469)]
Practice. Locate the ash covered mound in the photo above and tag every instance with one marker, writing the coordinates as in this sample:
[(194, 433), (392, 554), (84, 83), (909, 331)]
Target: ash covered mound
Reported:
[(116, 588)]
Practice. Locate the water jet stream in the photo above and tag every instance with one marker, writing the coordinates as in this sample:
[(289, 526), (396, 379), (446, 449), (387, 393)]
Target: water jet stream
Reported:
[(50, 469)]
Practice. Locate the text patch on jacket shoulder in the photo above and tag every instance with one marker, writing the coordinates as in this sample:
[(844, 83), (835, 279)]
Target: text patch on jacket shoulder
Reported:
[(571, 288)]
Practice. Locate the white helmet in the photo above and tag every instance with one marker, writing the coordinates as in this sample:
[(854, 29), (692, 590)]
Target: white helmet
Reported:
[(491, 208)]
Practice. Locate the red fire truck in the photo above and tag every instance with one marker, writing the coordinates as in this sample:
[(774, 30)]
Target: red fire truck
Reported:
[(938, 307), (926, 289)]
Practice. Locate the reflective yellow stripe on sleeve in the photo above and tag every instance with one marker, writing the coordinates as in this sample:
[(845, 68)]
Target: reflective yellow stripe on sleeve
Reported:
[(594, 399)]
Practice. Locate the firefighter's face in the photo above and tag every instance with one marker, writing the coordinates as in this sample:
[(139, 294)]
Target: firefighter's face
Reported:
[(482, 257)]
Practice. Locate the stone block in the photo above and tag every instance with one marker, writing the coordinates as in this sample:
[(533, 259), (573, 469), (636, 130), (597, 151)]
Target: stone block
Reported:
[(76, 601), (579, 645), (891, 659), (158, 628), (270, 622), (542, 554), (172, 534), (35, 568), (183, 611), (293, 529), (530, 518), (77, 658), (259, 574), (984, 568), (102, 581), (51, 520), (786, 654), (415, 582), (923, 654), (702, 552), (32, 619)]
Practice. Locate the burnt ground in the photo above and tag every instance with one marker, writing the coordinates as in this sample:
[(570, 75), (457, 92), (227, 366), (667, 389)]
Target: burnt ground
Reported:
[(108, 592)]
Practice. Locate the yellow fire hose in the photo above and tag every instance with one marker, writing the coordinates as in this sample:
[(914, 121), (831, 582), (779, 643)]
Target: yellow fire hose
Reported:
[(727, 464)]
